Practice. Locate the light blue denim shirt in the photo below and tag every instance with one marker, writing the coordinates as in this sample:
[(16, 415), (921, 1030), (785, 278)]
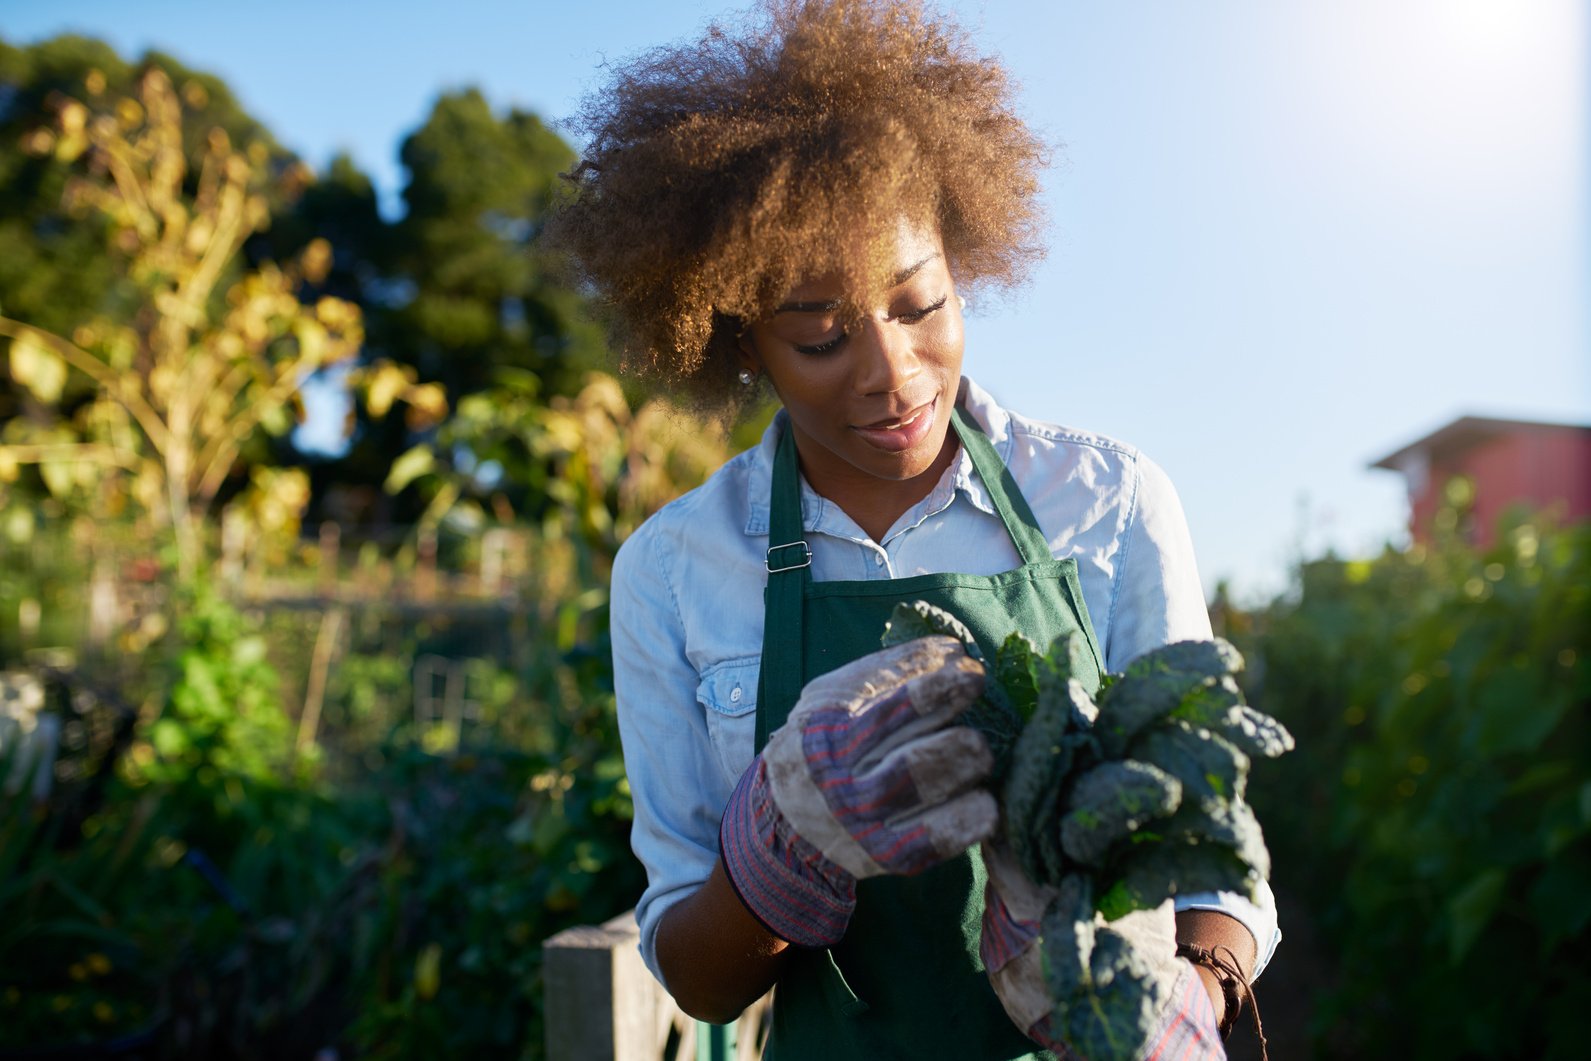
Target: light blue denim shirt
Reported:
[(687, 613)]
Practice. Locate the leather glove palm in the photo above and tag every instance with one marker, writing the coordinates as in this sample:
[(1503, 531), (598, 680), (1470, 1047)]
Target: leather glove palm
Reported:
[(868, 776)]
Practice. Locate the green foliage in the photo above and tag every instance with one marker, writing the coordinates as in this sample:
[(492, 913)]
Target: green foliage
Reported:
[(54, 272), (500, 850), (586, 469), (455, 292), (200, 356), (180, 883), (485, 295), (230, 898), (223, 712), (459, 290), (213, 872), (1441, 824)]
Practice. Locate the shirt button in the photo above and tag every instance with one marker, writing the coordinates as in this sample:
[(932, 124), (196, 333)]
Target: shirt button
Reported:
[(878, 560), (734, 695)]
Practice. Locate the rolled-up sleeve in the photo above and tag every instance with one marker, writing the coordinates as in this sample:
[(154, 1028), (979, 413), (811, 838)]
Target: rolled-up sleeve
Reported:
[(1158, 599), (668, 755)]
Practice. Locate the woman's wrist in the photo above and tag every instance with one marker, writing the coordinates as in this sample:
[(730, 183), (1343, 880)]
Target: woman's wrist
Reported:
[(1223, 952), (1215, 987)]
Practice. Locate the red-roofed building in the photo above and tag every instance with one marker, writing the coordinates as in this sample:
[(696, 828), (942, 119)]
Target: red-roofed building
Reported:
[(1510, 462)]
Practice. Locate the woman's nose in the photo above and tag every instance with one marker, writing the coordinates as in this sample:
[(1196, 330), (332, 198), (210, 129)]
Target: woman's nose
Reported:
[(886, 361)]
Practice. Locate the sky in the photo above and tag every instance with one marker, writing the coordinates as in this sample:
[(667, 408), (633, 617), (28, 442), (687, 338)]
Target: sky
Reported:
[(1286, 237)]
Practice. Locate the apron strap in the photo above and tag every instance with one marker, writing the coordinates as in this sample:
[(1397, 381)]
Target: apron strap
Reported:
[(789, 571), (1004, 494)]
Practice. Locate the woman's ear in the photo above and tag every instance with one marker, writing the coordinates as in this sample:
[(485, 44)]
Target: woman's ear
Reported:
[(748, 351)]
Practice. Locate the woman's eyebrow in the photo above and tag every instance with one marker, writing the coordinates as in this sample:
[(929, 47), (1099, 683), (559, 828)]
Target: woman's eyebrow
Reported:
[(809, 307), (830, 305), (911, 270)]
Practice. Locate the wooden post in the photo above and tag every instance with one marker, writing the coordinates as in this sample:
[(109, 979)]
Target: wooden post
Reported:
[(233, 532), (331, 623), (494, 551), (603, 1004), (330, 548), (425, 564), (103, 604)]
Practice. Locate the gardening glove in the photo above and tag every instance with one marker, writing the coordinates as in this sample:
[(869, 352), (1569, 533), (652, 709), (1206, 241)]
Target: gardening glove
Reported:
[(868, 776), (1050, 958)]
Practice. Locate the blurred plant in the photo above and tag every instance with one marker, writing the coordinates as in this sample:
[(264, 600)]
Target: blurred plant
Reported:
[(388, 888), (186, 379), (390, 898), (1439, 826), (499, 849), (586, 470), (222, 712), (187, 898)]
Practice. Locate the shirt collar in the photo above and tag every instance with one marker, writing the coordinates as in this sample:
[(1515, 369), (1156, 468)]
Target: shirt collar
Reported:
[(817, 510)]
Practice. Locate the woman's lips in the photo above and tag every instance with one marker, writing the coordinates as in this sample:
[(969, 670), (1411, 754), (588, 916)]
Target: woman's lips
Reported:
[(901, 433)]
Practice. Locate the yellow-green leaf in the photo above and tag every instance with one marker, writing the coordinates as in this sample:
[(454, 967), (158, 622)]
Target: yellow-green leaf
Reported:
[(38, 369), (428, 971), (385, 382), (409, 467), (59, 477), (311, 340), (427, 406)]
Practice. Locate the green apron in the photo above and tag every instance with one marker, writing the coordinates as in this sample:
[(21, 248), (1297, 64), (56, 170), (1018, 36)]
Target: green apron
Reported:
[(906, 981)]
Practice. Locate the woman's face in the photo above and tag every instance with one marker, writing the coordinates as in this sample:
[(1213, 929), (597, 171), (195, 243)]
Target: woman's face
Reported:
[(873, 402)]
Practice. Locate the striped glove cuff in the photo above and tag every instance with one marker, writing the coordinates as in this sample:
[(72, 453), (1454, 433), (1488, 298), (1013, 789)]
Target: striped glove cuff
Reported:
[(786, 883)]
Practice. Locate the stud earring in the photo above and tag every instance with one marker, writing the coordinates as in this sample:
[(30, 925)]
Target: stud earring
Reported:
[(747, 377), (963, 300)]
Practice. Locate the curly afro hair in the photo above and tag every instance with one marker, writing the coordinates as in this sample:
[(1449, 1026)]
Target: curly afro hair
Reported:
[(723, 171)]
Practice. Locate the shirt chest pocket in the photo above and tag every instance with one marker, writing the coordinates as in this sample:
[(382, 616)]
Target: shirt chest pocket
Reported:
[(728, 694)]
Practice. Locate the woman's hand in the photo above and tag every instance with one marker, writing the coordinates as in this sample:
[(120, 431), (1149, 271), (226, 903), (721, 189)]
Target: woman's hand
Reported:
[(868, 776), (1181, 1020)]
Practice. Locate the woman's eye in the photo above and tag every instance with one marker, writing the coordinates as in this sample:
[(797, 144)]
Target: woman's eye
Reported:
[(823, 347), (913, 316)]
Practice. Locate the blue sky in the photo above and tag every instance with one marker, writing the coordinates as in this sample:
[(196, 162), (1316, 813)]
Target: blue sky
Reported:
[(1287, 237)]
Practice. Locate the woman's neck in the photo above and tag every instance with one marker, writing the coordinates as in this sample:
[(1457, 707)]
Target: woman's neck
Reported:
[(875, 504)]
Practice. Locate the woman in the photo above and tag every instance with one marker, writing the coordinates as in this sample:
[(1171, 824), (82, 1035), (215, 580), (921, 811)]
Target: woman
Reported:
[(796, 205)]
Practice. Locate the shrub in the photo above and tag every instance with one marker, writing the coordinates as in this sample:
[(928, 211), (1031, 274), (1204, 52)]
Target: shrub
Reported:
[(1437, 818)]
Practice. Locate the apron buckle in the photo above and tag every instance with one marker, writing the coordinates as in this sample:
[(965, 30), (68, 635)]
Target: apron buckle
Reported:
[(806, 557)]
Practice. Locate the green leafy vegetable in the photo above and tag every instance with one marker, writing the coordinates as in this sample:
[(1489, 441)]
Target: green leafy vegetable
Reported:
[(1111, 802), (1119, 800), (1210, 767), (1014, 673)]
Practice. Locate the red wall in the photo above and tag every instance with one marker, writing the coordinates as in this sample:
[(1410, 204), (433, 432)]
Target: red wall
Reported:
[(1541, 467)]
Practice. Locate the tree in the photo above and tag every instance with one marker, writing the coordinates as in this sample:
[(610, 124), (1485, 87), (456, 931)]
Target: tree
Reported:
[(484, 295), (185, 379), (459, 292), (53, 266)]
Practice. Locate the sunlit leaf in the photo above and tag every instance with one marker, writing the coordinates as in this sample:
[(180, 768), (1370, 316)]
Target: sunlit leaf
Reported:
[(37, 368), (60, 478), (427, 406), (311, 340), (409, 467), (316, 261), (384, 382), (428, 971)]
